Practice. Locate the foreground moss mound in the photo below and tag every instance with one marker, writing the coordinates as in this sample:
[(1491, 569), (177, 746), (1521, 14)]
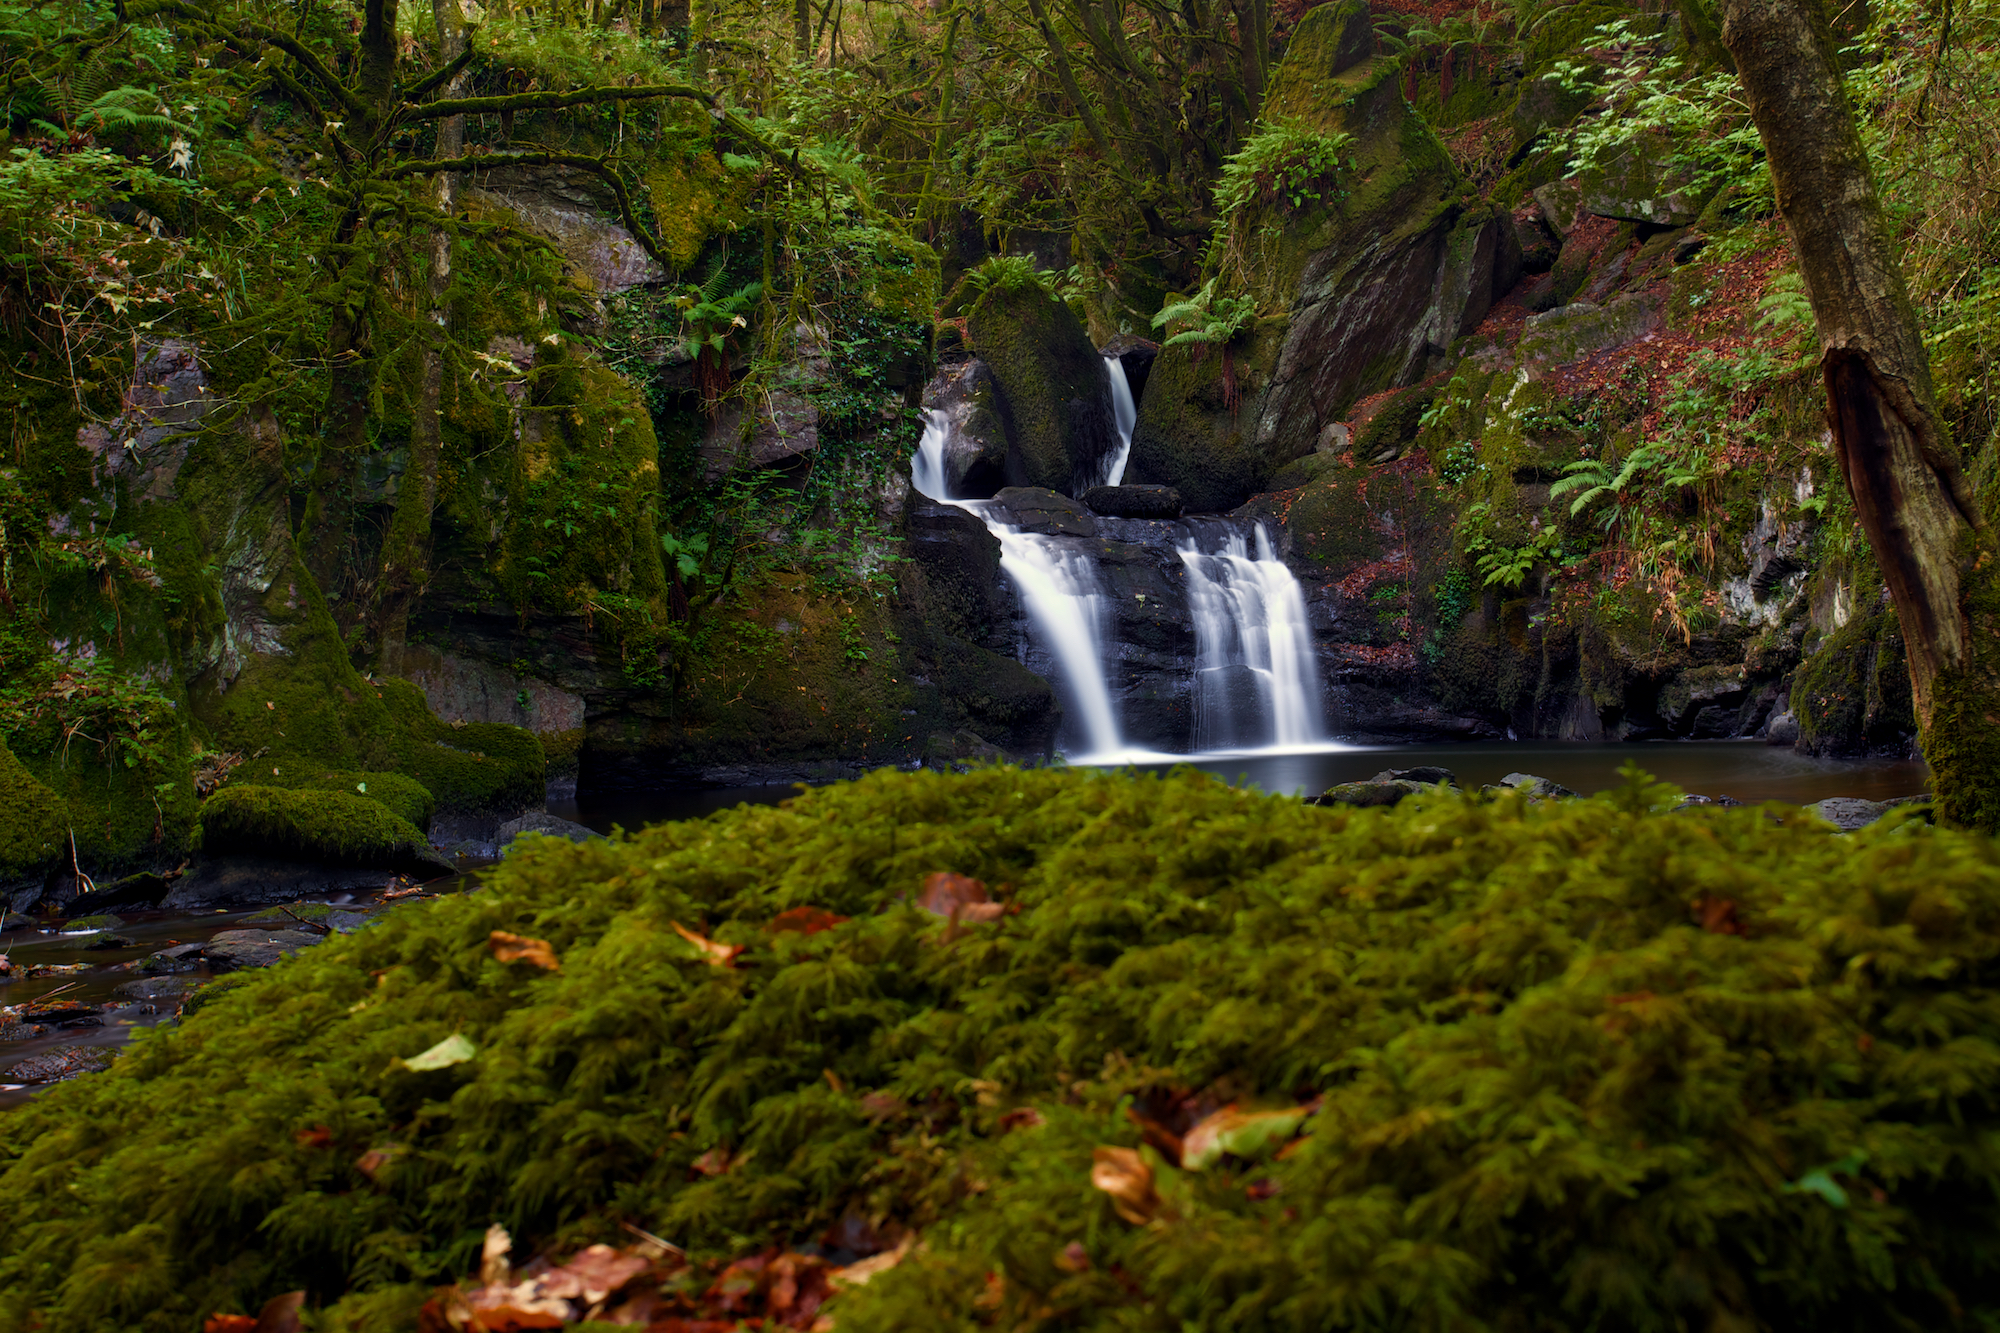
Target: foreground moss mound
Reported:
[(402, 796), (338, 827), (1579, 1065)]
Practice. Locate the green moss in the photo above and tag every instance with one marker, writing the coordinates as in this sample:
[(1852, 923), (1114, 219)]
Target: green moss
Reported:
[(1394, 427), (402, 796), (1470, 993), (33, 824), (465, 765), (1191, 436), (694, 197), (335, 827), (1852, 696), (1050, 377)]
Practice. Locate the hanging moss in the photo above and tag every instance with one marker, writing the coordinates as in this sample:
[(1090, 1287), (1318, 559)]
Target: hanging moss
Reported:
[(1542, 1047), (1852, 696), (335, 827)]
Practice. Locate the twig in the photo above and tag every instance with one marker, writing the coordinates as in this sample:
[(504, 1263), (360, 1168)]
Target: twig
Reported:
[(666, 1245), (81, 878)]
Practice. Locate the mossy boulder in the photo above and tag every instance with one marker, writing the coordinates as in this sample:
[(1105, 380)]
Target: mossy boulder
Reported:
[(331, 827), (1852, 695), (33, 829), (403, 796), (1052, 396), (1445, 995)]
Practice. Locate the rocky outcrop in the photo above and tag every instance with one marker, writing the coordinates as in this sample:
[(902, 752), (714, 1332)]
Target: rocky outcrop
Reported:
[(1051, 395), (975, 455), (1378, 279), (1134, 501)]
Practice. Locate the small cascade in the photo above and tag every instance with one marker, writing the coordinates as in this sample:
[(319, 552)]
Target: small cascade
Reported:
[(1058, 588), (1125, 414), (1256, 684)]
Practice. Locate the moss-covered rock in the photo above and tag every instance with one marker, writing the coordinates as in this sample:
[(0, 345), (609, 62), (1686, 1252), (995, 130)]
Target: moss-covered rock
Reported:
[(333, 827), (404, 796), (1434, 990), (1852, 695), (1053, 397), (33, 829)]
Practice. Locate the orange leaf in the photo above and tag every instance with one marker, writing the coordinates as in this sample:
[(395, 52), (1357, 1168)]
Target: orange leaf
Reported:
[(229, 1323), (1124, 1175), (520, 949), (804, 920), (507, 1319), (718, 955), (319, 1136), (958, 897)]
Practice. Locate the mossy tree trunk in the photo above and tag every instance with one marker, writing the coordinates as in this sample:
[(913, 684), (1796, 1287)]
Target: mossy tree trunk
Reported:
[(1936, 549), (405, 550)]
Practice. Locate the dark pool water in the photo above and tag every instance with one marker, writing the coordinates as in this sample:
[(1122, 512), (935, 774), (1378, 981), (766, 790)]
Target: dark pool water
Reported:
[(1746, 770)]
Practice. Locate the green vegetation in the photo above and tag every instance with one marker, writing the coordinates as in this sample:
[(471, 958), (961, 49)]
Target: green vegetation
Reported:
[(335, 827), (1708, 1066)]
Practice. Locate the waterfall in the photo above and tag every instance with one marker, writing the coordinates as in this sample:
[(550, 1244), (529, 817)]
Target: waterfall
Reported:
[(1256, 683), (1058, 587), (1125, 414)]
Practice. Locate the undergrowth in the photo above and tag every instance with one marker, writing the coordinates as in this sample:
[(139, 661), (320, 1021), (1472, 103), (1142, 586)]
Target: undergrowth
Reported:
[(1584, 1064)]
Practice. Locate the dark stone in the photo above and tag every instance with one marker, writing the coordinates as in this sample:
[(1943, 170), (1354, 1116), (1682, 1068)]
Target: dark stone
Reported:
[(975, 453), (1783, 729), (234, 950), (142, 890), (105, 939), (60, 1065), (179, 958), (1848, 813), (1038, 509), (958, 750), (252, 881), (158, 988), (1371, 793), (537, 821), (1425, 774), (1534, 788), (1134, 501)]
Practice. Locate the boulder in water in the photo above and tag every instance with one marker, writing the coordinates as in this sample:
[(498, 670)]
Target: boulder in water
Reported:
[(540, 821), (1527, 784), (1134, 501), (1040, 510), (1054, 399)]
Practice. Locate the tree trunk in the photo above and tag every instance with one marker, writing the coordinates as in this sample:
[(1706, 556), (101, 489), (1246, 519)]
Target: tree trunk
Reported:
[(405, 550), (1927, 529)]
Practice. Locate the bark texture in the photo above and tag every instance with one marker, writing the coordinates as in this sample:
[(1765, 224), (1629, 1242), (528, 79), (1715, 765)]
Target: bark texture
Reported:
[(1921, 517)]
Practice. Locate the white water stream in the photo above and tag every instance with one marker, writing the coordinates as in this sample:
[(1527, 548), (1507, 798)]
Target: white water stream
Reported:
[(1256, 684)]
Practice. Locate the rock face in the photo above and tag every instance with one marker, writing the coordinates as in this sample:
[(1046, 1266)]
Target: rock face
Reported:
[(570, 211), (1134, 501), (1378, 282), (975, 458), (1051, 395)]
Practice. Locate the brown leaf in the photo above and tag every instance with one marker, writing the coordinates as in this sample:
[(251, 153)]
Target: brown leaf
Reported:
[(1124, 1175), (958, 898), (511, 1319), (718, 955), (593, 1275), (1022, 1117), (319, 1136), (1238, 1133), (509, 948), (281, 1313), (1073, 1258), (229, 1323), (858, 1274), (1718, 916), (714, 1162), (882, 1105), (804, 920), (371, 1162)]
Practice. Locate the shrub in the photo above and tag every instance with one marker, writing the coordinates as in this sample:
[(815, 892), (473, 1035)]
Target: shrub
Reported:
[(1582, 1064)]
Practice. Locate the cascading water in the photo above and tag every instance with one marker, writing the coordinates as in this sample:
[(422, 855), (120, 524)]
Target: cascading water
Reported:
[(1125, 415), (1256, 684), (1058, 588)]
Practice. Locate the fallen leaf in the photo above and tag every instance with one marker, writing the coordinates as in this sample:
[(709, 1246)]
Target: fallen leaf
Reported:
[(1022, 1117), (319, 1136), (882, 1105), (958, 898), (1124, 1175), (229, 1323), (804, 920), (509, 948), (593, 1274), (453, 1050), (493, 1252), (718, 955), (714, 1162), (857, 1274), (1073, 1258), (281, 1313), (1238, 1133), (370, 1163), (515, 1319)]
